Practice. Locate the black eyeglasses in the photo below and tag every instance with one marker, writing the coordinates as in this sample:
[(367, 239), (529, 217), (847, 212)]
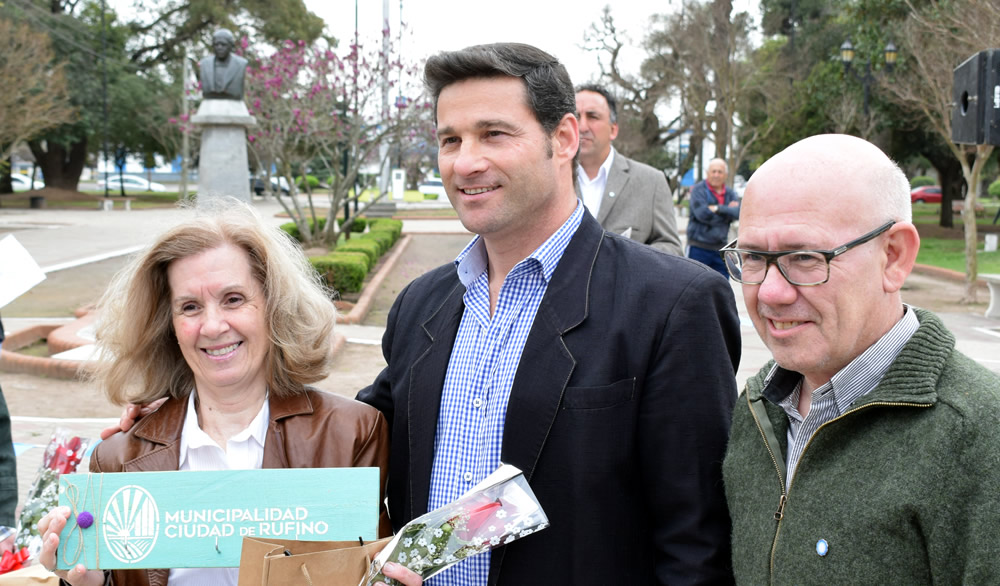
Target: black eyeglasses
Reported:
[(804, 268)]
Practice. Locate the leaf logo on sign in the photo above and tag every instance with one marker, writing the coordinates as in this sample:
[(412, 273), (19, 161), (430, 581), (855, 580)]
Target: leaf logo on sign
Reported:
[(131, 524)]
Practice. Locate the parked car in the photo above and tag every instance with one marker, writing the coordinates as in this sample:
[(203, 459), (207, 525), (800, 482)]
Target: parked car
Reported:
[(433, 187), (131, 183), (926, 194), (23, 182), (277, 183)]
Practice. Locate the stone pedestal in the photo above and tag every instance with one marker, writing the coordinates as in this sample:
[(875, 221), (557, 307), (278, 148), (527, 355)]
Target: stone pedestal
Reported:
[(223, 167)]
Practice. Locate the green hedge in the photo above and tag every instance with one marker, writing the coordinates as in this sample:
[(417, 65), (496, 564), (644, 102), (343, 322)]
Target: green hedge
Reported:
[(293, 230), (312, 179), (384, 239), (367, 246), (343, 271), (921, 180), (994, 189), (392, 234), (358, 225), (395, 226)]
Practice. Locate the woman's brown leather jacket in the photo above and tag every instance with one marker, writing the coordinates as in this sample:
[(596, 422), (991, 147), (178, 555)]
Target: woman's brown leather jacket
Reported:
[(312, 429)]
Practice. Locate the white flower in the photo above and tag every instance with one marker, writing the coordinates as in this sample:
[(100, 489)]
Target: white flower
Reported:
[(527, 532), (542, 526), (415, 554), (492, 528), (438, 532), (408, 542), (450, 559), (509, 527), (495, 540), (422, 542), (477, 541), (438, 562), (432, 548), (501, 514), (510, 538), (402, 557)]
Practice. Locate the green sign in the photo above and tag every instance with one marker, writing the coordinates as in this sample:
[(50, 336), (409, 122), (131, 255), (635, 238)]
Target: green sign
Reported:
[(190, 519)]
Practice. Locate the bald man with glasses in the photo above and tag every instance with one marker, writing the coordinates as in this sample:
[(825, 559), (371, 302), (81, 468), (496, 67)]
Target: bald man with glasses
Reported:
[(867, 450)]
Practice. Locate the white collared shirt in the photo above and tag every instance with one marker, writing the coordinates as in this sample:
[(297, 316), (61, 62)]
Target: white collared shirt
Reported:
[(198, 451), (592, 190)]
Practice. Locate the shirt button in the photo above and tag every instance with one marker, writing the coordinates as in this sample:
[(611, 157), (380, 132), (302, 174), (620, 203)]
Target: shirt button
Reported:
[(477, 403), (467, 476)]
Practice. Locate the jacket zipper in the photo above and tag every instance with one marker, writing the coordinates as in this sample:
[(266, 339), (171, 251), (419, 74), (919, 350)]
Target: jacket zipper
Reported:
[(780, 513)]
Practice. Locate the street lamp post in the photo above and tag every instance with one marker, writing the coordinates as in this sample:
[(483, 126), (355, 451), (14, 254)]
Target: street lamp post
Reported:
[(847, 58)]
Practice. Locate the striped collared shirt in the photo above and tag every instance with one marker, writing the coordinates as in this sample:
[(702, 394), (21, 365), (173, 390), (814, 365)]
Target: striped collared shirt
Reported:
[(834, 398), (481, 370)]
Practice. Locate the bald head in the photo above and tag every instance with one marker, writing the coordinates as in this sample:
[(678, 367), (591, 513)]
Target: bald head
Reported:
[(851, 176)]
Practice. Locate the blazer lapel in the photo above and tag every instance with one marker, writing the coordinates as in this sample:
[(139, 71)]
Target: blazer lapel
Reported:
[(424, 398), (547, 363), (617, 178)]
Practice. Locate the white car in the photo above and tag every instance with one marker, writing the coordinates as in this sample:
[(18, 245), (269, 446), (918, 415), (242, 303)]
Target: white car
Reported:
[(433, 186), (131, 183), (23, 182)]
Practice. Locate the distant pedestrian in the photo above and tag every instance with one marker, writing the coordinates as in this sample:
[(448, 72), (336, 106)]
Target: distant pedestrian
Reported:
[(713, 208)]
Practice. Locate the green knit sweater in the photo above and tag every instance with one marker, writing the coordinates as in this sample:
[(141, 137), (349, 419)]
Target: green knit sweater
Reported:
[(904, 488)]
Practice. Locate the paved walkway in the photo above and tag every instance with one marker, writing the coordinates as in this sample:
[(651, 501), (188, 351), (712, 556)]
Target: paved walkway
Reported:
[(59, 239)]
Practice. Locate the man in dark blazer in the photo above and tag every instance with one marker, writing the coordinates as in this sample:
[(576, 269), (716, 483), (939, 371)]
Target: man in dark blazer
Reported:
[(222, 73), (627, 197), (618, 431)]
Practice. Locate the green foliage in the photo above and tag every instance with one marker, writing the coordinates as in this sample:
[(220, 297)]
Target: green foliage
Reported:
[(921, 180), (369, 247), (994, 189), (343, 271), (312, 179)]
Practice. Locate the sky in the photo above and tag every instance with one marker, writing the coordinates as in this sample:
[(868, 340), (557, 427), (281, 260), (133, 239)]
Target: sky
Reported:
[(443, 25)]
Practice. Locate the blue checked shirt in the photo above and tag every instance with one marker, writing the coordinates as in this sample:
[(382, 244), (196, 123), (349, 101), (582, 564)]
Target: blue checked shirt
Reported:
[(480, 373)]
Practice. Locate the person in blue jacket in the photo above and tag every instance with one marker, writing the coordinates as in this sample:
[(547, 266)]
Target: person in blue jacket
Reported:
[(713, 207)]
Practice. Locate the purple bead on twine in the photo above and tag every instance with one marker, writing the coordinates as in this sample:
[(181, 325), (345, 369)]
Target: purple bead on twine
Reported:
[(84, 519)]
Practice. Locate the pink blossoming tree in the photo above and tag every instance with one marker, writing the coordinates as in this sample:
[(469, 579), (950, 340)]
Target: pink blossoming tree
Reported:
[(315, 105)]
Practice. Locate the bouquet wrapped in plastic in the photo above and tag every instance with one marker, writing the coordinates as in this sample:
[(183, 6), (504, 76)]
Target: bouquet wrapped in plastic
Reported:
[(62, 456), (495, 512)]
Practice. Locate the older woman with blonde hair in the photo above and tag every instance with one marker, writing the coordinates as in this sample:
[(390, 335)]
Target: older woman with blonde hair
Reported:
[(224, 318)]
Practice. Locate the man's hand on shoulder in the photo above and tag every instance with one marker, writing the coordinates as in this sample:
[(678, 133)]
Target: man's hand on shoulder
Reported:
[(130, 415)]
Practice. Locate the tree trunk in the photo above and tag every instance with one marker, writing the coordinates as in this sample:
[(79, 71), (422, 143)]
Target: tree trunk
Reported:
[(61, 167), (972, 173), (950, 174)]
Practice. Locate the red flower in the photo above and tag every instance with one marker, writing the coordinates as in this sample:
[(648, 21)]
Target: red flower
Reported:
[(477, 517)]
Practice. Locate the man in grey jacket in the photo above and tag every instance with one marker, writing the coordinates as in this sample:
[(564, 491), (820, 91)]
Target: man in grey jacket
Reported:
[(626, 196)]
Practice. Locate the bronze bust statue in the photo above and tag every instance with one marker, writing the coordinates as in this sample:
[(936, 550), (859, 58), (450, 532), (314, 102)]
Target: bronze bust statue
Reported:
[(222, 73)]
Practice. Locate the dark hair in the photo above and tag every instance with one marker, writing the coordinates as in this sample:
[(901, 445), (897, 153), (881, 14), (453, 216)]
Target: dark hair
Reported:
[(549, 91), (599, 89)]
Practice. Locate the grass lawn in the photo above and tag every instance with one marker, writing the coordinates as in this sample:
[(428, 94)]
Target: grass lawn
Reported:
[(930, 213), (949, 253), (61, 199), (943, 247)]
